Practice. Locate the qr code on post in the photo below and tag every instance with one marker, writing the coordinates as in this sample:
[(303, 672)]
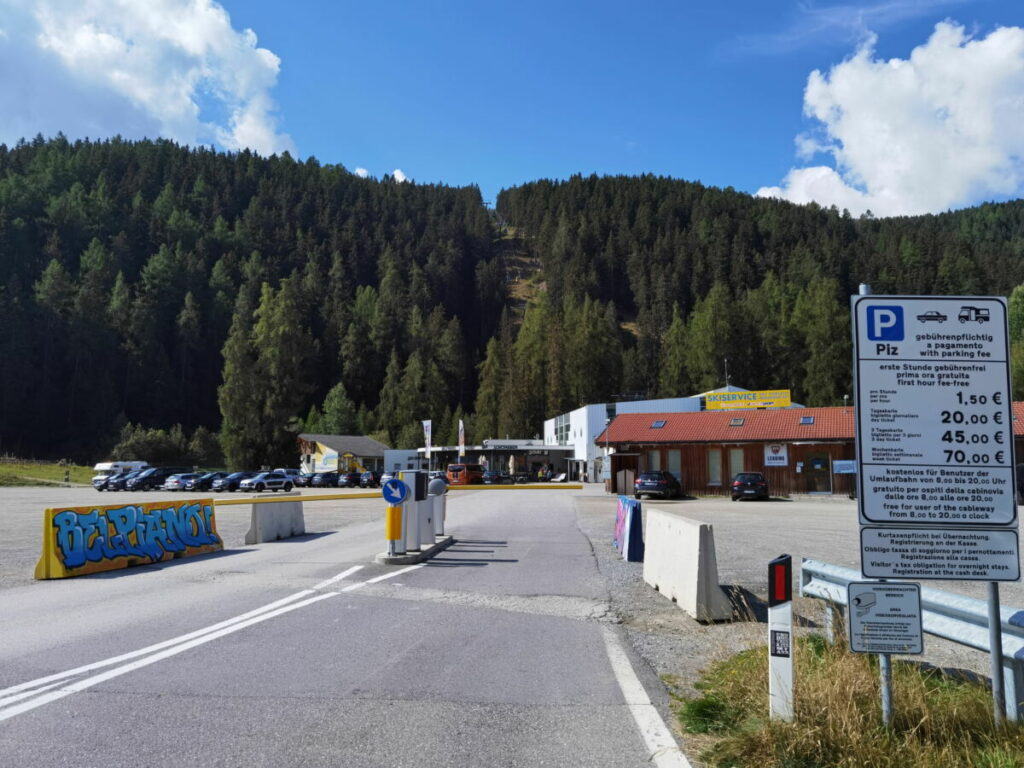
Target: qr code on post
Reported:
[(779, 643)]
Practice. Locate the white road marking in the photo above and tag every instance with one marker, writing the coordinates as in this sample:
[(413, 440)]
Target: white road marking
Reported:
[(375, 579), (89, 682), (42, 687), (665, 753), (5, 693), (339, 577)]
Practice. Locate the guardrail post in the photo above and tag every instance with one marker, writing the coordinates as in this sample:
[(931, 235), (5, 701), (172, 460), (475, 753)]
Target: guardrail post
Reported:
[(834, 618), (1013, 687)]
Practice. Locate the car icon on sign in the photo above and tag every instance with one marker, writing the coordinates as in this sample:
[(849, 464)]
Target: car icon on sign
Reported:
[(932, 316)]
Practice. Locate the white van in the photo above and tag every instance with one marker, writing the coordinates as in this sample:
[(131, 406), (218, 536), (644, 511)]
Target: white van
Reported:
[(113, 467)]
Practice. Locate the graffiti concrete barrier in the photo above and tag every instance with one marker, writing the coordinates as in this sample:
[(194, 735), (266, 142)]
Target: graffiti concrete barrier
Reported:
[(82, 540)]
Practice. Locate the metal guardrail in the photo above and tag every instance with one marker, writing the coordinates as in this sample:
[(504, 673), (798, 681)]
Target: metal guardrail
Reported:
[(954, 617)]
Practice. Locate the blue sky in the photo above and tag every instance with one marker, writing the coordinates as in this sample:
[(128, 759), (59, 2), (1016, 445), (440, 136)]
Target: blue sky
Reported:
[(501, 94)]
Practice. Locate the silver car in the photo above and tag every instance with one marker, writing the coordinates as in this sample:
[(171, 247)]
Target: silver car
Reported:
[(266, 481)]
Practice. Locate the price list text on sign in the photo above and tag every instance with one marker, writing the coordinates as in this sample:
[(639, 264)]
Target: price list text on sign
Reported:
[(935, 430)]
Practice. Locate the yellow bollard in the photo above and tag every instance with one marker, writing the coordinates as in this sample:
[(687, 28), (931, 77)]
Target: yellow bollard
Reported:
[(393, 524)]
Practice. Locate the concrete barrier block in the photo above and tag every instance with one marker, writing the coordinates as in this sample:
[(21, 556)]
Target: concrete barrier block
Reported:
[(680, 562), (81, 540), (273, 520)]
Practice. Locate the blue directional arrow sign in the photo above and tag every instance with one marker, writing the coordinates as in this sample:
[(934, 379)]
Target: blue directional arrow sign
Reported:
[(394, 491)]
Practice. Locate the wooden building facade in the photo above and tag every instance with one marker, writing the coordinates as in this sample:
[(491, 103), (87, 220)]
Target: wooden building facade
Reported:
[(800, 450)]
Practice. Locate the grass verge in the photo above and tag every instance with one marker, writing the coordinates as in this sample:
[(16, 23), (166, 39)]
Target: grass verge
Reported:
[(33, 473), (939, 721)]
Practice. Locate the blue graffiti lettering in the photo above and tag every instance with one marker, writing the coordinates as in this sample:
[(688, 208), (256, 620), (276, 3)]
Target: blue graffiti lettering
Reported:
[(130, 531)]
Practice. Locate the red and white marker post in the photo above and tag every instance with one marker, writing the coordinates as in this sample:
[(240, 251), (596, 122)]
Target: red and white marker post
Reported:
[(780, 638)]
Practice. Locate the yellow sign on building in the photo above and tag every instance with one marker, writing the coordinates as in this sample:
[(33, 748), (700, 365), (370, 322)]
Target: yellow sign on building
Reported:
[(727, 401)]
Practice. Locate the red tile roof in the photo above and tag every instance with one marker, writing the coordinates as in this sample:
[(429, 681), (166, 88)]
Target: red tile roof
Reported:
[(835, 423)]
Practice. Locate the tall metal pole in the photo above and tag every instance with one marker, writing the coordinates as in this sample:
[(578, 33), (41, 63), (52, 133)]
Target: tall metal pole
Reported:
[(995, 646), (884, 661)]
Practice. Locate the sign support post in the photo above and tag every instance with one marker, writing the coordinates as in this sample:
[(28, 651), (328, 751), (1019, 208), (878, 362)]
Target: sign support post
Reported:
[(995, 647)]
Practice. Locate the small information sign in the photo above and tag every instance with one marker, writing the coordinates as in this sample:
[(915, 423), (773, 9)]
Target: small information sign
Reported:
[(977, 554), (885, 618)]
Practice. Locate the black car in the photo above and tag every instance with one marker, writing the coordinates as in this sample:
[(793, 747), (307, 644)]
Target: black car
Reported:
[(349, 479), (661, 484), (303, 479), (324, 480), (102, 482), (491, 477), (369, 479), (203, 482), (153, 478), (231, 482), (749, 485), (119, 482)]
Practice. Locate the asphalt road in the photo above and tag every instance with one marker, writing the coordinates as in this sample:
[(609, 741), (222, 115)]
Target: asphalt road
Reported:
[(527, 643), (499, 652)]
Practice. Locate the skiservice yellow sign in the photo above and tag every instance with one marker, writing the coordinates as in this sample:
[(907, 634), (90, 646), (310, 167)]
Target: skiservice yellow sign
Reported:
[(727, 401)]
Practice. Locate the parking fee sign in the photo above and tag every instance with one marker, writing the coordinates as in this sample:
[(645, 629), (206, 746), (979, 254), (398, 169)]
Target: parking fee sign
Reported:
[(934, 428)]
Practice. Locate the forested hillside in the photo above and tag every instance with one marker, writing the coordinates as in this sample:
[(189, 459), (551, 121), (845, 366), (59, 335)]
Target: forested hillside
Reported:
[(234, 299), (137, 278), (699, 275)]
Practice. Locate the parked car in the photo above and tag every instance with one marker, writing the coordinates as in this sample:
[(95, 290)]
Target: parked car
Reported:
[(231, 482), (291, 474), (178, 482), (661, 484), (749, 485), (492, 477), (303, 479), (349, 479), (387, 476), (119, 481), (324, 480), (204, 482), (465, 474), (153, 478), (266, 481), (102, 482), (369, 479)]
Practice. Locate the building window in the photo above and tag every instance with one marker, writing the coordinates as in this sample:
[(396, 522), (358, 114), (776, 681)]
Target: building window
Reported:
[(563, 427), (675, 465), (654, 460), (736, 422), (806, 419), (714, 466), (735, 461), (658, 424)]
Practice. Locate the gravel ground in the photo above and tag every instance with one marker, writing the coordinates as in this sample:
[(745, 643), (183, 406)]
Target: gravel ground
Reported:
[(678, 648)]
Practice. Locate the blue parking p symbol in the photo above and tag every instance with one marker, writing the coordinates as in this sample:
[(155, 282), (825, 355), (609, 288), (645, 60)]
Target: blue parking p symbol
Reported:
[(885, 323)]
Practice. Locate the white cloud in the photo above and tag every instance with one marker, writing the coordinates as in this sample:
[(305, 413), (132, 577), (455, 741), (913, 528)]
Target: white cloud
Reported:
[(174, 68), (399, 176), (362, 173), (942, 129)]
